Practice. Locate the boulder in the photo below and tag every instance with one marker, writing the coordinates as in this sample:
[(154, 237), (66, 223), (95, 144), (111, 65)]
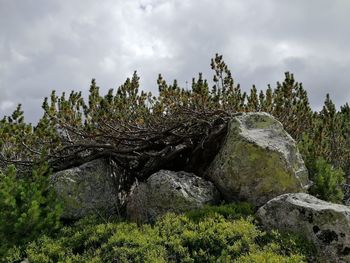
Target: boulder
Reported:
[(168, 191), (87, 189), (346, 190), (325, 224), (259, 160)]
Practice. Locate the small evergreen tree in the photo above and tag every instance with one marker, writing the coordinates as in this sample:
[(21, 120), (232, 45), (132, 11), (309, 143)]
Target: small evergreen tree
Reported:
[(327, 182), (28, 208), (253, 100)]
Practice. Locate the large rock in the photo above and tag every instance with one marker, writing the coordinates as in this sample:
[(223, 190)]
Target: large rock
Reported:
[(168, 191), (259, 160), (346, 190), (87, 189), (325, 224)]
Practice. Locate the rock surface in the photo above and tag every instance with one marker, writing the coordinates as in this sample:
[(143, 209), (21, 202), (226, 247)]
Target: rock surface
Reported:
[(325, 224), (259, 160), (168, 191), (346, 190), (85, 190)]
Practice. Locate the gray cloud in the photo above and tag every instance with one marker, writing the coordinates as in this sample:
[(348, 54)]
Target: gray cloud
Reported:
[(61, 45)]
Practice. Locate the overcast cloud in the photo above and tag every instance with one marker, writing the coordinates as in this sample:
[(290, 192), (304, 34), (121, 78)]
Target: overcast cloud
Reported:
[(63, 44)]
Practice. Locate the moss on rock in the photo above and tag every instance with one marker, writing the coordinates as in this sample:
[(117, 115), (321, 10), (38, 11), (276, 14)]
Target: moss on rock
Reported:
[(86, 190), (258, 161), (325, 225)]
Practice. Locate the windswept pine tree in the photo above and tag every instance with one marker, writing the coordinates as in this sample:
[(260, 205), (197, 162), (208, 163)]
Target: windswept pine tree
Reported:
[(143, 133), (139, 133)]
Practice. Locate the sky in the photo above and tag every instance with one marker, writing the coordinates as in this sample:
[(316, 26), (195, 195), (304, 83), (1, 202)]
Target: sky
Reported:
[(61, 45)]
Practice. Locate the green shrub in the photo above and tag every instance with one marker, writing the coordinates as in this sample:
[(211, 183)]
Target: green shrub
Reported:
[(131, 244), (28, 209), (111, 242), (268, 257), (230, 211), (287, 244), (327, 182), (211, 239), (173, 238)]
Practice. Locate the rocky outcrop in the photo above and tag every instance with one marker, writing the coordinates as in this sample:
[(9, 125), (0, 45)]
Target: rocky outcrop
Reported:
[(258, 161), (87, 189), (325, 224), (168, 191), (346, 190)]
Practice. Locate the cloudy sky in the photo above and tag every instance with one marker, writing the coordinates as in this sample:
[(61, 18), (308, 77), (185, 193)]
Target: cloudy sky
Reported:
[(63, 44)]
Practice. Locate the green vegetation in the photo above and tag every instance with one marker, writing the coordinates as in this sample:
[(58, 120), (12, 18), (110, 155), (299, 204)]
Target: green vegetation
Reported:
[(228, 211), (28, 209), (173, 238), (143, 133), (327, 179), (140, 130), (327, 182)]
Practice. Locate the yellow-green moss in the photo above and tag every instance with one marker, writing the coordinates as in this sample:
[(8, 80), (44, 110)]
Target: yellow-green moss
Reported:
[(245, 170), (259, 167)]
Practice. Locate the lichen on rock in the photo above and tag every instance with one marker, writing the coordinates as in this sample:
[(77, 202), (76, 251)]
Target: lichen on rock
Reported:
[(85, 190), (258, 161), (325, 224), (168, 191)]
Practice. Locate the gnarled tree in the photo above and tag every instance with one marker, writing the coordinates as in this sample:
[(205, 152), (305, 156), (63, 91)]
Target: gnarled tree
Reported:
[(178, 129)]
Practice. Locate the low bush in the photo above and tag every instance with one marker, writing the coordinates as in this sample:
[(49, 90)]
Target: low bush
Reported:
[(228, 211), (173, 238), (267, 257), (289, 244), (111, 242), (28, 210), (327, 182)]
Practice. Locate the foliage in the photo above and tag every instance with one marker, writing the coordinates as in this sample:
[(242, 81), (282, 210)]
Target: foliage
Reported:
[(328, 137), (173, 238), (230, 211), (144, 133), (268, 257), (327, 179), (288, 244), (111, 242), (291, 106), (142, 130), (28, 209), (327, 182)]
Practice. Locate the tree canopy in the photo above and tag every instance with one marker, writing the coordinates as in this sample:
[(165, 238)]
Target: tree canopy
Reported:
[(142, 132)]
